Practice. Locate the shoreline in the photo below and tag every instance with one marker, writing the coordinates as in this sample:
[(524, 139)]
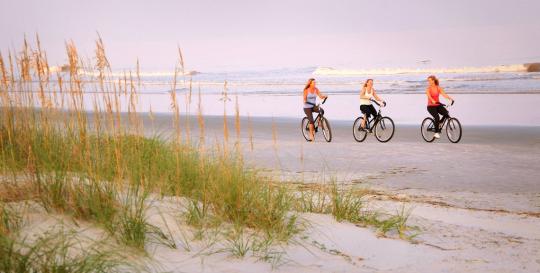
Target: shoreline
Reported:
[(470, 109)]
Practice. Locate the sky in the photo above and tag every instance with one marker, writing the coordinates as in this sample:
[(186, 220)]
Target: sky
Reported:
[(249, 34)]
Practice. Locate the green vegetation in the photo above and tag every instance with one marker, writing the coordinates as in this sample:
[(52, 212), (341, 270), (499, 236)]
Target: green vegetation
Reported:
[(99, 167)]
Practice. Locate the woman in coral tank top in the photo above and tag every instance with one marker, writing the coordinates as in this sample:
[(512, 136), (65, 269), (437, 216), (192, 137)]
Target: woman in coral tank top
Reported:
[(434, 106)]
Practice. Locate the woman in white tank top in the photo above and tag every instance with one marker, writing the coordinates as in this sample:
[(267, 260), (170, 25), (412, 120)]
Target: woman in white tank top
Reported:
[(366, 95), (310, 96)]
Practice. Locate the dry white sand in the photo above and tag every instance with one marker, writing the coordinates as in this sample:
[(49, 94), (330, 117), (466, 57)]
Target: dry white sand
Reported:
[(450, 240)]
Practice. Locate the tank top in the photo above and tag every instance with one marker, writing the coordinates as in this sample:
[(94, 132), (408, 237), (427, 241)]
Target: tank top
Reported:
[(368, 95), (433, 94), (311, 98)]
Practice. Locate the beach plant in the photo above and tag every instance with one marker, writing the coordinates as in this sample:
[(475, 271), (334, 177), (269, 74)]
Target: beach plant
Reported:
[(55, 253), (132, 226), (86, 164), (346, 204), (239, 243), (10, 221), (90, 158), (349, 204), (59, 251)]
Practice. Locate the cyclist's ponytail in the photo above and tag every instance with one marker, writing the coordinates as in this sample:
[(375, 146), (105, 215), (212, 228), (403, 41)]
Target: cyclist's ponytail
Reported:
[(308, 84), (435, 80)]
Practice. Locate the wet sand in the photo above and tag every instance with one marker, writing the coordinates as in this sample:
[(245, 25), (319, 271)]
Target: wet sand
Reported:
[(489, 163)]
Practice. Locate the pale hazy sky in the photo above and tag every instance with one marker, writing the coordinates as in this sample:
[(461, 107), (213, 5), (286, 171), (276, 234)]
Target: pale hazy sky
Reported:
[(242, 34)]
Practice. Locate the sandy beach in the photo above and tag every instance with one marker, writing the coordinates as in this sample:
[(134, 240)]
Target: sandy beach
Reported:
[(476, 203)]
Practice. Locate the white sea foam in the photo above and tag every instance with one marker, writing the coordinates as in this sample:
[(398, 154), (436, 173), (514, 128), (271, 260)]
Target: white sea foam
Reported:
[(120, 74), (328, 71)]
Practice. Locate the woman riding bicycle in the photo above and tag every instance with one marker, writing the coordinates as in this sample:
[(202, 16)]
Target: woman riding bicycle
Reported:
[(310, 96), (434, 106), (366, 95)]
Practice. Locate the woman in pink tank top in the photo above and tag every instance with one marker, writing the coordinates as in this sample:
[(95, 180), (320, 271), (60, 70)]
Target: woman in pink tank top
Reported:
[(434, 107)]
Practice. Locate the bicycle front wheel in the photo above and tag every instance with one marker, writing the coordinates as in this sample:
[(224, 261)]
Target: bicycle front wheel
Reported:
[(304, 126), (428, 130), (327, 131), (384, 129), (359, 134), (453, 130)]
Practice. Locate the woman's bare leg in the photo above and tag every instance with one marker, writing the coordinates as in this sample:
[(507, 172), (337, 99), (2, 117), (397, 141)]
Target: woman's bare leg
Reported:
[(364, 121), (311, 132)]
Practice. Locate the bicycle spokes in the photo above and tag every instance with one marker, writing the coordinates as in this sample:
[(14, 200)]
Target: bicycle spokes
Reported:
[(453, 130), (382, 124), (384, 129)]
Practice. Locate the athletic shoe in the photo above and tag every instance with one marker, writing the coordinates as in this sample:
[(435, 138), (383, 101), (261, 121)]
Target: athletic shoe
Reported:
[(436, 135)]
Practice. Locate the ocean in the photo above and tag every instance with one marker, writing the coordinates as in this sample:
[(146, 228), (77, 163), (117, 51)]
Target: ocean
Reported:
[(512, 79), (496, 95)]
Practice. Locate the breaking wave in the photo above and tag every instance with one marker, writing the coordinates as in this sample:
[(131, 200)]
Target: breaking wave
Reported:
[(329, 71)]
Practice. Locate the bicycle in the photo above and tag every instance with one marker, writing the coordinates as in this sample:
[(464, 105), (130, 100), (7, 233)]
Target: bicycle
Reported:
[(319, 121), (453, 127), (382, 127)]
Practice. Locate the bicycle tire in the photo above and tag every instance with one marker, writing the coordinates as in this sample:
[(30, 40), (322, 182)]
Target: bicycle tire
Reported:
[(358, 133), (304, 126), (427, 125), (326, 129), (454, 130), (384, 125)]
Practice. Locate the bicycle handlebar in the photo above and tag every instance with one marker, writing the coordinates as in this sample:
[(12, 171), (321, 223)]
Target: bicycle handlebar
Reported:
[(315, 104), (444, 105), (378, 104)]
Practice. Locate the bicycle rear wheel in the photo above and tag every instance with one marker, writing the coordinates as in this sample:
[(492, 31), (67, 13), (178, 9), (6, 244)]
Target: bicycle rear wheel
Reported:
[(384, 129), (304, 126), (359, 134), (428, 130), (327, 131), (453, 130)]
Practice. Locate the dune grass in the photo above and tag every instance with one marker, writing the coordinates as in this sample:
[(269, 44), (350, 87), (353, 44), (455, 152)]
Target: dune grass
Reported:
[(102, 171), (58, 251), (349, 204), (97, 165)]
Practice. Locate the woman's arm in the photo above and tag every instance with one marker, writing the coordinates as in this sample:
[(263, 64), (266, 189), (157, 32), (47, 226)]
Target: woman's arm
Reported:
[(376, 97), (319, 94), (445, 95), (305, 95), (429, 97)]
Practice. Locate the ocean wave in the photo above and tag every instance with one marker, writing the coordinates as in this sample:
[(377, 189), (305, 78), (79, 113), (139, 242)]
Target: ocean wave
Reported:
[(329, 71), (125, 73)]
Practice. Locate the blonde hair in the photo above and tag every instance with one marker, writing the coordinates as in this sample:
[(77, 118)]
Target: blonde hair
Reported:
[(308, 84), (365, 84)]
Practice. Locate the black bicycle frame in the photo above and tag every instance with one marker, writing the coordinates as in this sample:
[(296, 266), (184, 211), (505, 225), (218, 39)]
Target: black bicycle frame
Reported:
[(373, 120), (443, 120), (319, 116)]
